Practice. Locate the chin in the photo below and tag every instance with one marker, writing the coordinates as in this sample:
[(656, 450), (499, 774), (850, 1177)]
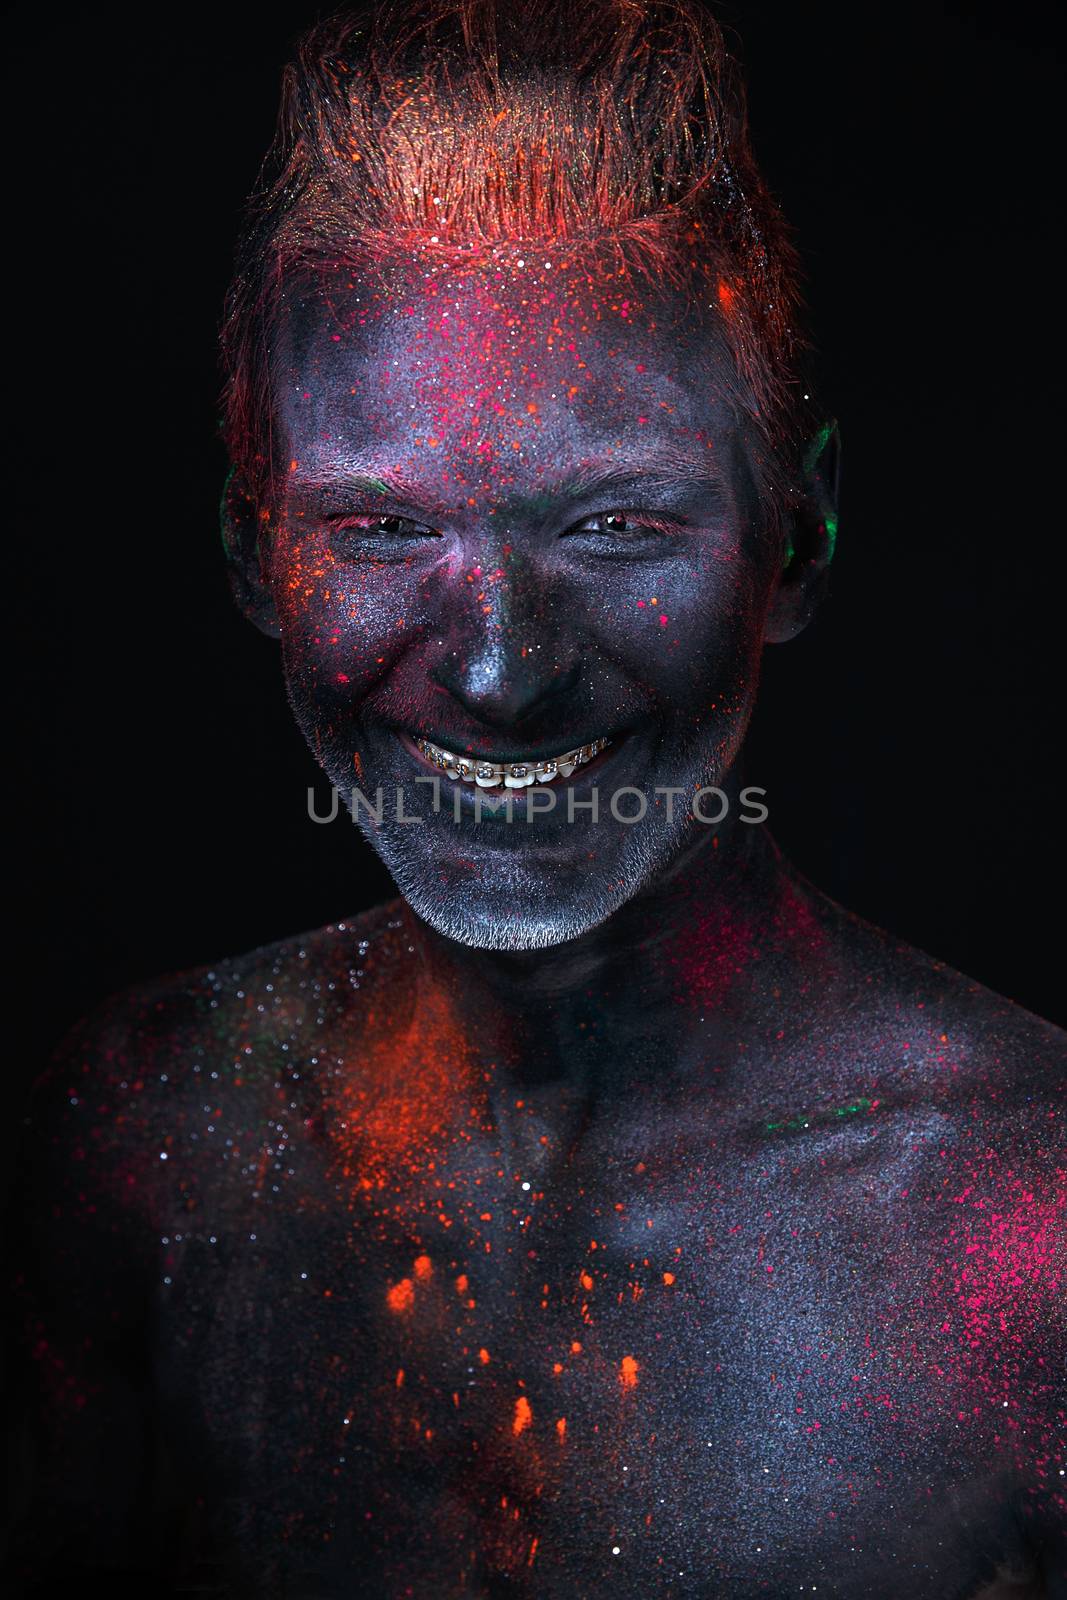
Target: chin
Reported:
[(485, 928), (455, 920), (518, 900)]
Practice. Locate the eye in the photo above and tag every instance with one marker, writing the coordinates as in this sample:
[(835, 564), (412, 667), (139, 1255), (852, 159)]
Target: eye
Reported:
[(610, 522), (623, 532), (380, 529)]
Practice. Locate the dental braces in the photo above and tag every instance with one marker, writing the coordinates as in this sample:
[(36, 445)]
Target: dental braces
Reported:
[(512, 774)]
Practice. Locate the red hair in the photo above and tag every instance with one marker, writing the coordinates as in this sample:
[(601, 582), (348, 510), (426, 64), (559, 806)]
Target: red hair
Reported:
[(449, 126)]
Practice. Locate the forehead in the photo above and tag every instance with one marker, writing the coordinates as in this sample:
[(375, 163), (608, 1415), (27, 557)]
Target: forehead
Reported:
[(499, 374)]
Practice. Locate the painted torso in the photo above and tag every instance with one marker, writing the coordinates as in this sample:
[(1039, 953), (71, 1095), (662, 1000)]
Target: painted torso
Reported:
[(780, 1317)]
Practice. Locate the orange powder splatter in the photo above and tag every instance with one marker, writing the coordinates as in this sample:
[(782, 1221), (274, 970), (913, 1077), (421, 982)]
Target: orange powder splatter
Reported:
[(523, 1415), (668, 1277), (423, 1267), (586, 1281), (388, 1122), (576, 1348), (628, 1370), (462, 1283), (561, 1428), (400, 1377), (401, 1296), (483, 1357)]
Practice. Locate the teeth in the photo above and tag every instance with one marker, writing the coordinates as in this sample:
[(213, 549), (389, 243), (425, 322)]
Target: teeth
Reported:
[(511, 774)]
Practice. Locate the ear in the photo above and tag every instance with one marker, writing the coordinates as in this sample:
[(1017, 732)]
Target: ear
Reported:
[(244, 539), (810, 535)]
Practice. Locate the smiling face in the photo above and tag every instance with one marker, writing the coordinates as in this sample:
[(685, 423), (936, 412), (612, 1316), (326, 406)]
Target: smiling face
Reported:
[(519, 519)]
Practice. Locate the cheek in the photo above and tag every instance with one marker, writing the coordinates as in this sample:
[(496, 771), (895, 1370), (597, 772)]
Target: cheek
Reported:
[(692, 631), (343, 624)]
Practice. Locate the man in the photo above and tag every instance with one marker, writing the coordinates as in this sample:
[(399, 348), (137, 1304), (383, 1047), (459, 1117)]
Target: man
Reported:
[(613, 1215)]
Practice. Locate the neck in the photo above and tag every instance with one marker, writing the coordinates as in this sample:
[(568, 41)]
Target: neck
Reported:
[(677, 951)]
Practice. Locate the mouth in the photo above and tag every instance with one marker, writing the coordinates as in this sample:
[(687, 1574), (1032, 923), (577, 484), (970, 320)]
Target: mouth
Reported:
[(509, 774)]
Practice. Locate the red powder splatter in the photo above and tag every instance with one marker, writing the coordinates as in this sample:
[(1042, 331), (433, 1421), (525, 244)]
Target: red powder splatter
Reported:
[(724, 947), (710, 963), (628, 1370), (423, 1267), (1004, 1262)]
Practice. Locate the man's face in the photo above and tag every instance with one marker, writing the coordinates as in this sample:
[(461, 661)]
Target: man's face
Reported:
[(518, 518)]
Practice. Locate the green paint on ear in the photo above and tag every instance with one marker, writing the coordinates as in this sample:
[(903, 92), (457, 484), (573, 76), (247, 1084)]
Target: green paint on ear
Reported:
[(816, 448), (811, 463)]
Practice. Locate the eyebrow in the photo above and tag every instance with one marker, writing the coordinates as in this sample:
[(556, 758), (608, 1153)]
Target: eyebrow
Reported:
[(667, 471), (344, 483)]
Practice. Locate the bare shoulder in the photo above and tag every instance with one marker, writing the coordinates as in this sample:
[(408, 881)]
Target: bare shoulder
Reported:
[(885, 1012), (228, 1007), (199, 1070), (935, 1098), (927, 1147)]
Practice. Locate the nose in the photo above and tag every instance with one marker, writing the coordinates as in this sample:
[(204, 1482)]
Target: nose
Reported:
[(510, 653)]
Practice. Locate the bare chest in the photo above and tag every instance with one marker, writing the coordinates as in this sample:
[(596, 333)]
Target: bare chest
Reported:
[(669, 1366)]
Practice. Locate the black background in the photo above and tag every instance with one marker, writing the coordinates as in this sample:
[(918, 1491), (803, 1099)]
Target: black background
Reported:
[(908, 741)]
